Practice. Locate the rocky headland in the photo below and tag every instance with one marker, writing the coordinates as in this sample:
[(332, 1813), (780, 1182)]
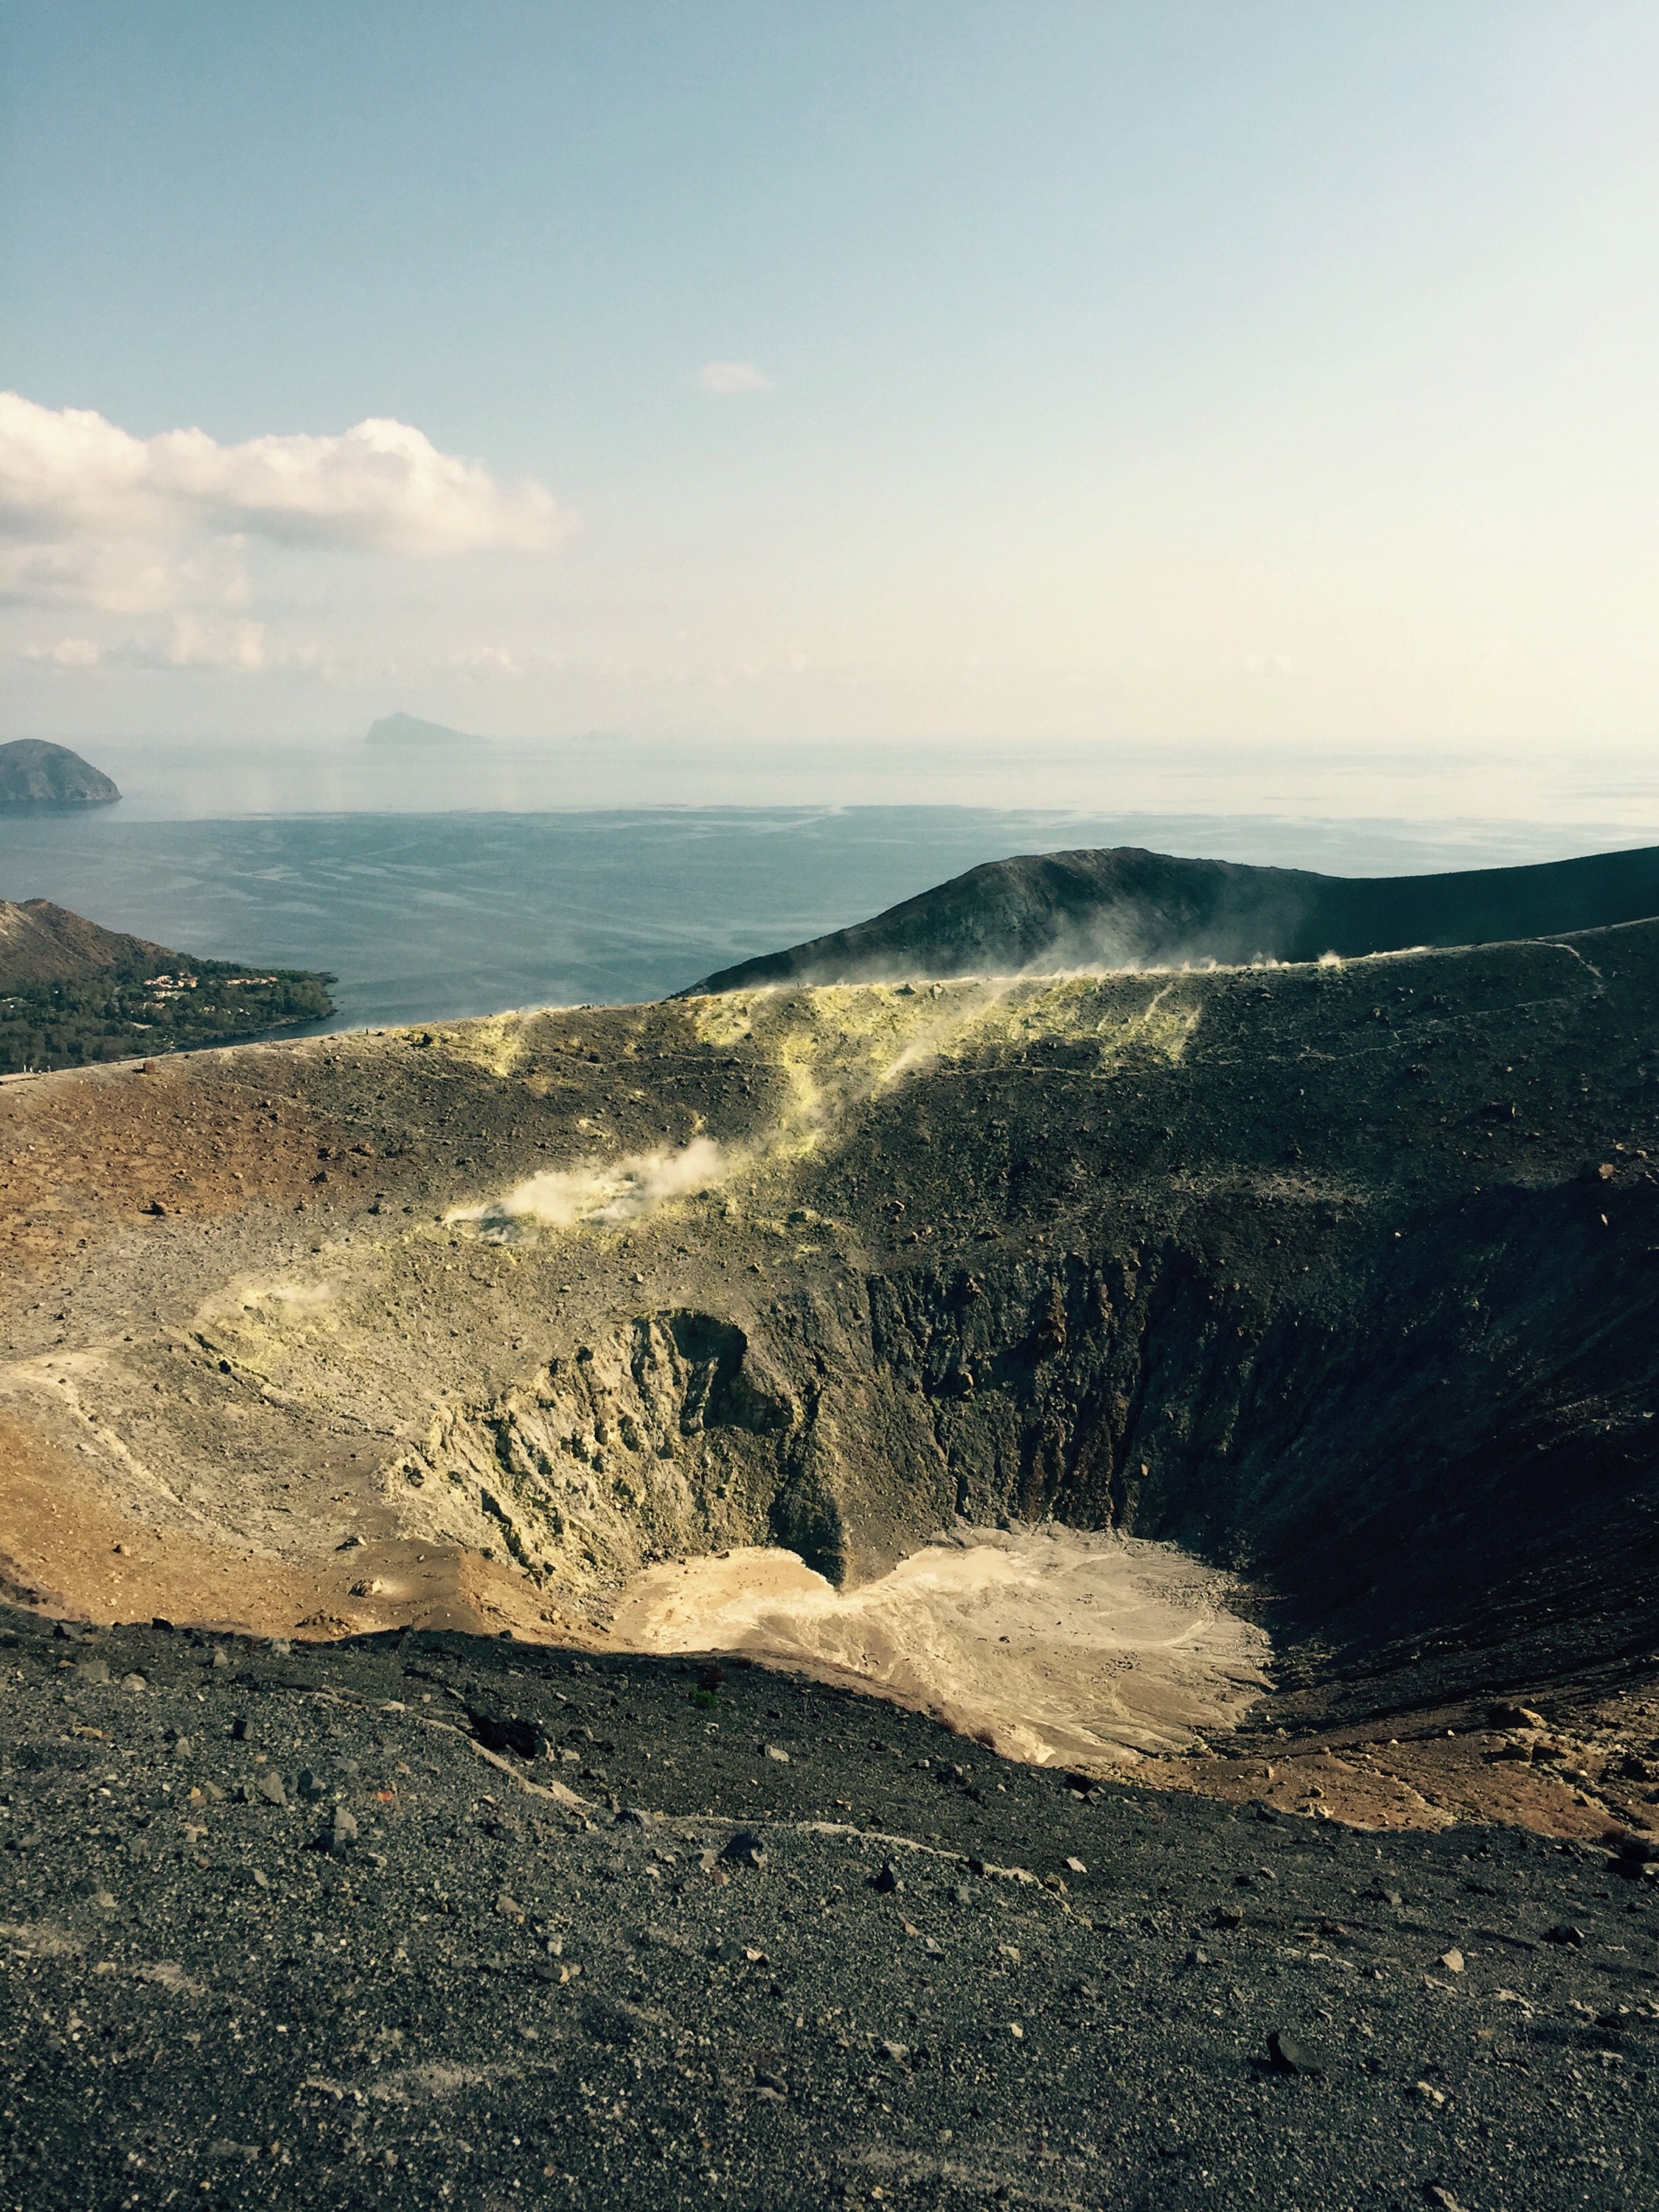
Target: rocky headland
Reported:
[(33, 774)]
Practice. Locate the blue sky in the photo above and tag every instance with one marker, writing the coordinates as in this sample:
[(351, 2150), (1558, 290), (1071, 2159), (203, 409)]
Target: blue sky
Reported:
[(1266, 372)]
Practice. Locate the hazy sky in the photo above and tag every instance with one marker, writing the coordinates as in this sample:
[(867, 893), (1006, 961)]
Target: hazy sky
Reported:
[(1284, 373)]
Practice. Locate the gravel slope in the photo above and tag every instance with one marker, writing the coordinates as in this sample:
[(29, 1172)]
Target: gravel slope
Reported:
[(655, 1964)]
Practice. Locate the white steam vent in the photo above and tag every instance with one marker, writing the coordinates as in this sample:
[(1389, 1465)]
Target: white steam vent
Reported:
[(607, 1192)]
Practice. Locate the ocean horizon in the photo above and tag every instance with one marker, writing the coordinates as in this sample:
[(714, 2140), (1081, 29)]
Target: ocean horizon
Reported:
[(462, 890)]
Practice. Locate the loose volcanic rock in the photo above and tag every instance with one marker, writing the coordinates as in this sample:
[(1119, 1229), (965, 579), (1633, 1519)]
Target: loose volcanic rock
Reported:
[(498, 1982)]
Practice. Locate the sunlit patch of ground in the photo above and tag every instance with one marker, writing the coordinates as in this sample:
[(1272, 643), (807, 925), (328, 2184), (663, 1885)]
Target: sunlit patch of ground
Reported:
[(1049, 1645)]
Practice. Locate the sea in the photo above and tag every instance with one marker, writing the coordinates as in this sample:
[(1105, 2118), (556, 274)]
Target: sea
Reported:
[(466, 880)]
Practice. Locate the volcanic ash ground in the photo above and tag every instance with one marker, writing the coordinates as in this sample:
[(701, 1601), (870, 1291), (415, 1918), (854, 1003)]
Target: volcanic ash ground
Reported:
[(1050, 1645)]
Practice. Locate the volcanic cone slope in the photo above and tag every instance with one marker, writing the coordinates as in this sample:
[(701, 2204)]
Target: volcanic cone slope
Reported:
[(1129, 909)]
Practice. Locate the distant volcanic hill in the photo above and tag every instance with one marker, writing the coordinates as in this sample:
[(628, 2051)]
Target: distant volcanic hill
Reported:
[(1126, 907), (40, 943), (410, 730), (35, 774), (72, 992)]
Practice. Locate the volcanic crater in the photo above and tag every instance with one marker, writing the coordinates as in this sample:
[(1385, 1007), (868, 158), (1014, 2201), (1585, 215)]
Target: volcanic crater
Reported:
[(1339, 1276)]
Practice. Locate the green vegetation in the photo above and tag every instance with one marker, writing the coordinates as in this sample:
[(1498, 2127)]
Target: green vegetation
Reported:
[(113, 1013)]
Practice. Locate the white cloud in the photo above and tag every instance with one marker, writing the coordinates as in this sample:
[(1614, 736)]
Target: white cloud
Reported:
[(238, 648), (728, 380), (66, 653), (481, 661), (91, 515)]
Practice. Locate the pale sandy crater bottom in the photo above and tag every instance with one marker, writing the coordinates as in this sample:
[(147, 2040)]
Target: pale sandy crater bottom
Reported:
[(1046, 1644)]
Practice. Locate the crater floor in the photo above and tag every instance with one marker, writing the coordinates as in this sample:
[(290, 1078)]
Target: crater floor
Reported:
[(1049, 1645)]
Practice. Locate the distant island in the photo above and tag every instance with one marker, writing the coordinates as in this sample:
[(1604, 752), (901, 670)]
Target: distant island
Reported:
[(410, 730), (72, 993), (34, 774)]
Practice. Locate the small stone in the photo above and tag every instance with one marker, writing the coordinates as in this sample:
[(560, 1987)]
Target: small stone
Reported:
[(1289, 2054), (509, 1908), (1566, 1934), (777, 1751), (1507, 1716), (898, 2052), (268, 1785), (1075, 1865), (1442, 2198), (103, 1900), (888, 1881), (1452, 1960), (341, 1833), (92, 1670), (745, 1849), (261, 1879), (1017, 2031), (135, 1682), (239, 1729), (499, 1731), (309, 1786), (220, 1656), (1429, 2094)]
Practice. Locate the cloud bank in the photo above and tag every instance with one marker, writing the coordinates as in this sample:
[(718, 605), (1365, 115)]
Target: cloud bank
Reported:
[(91, 515)]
